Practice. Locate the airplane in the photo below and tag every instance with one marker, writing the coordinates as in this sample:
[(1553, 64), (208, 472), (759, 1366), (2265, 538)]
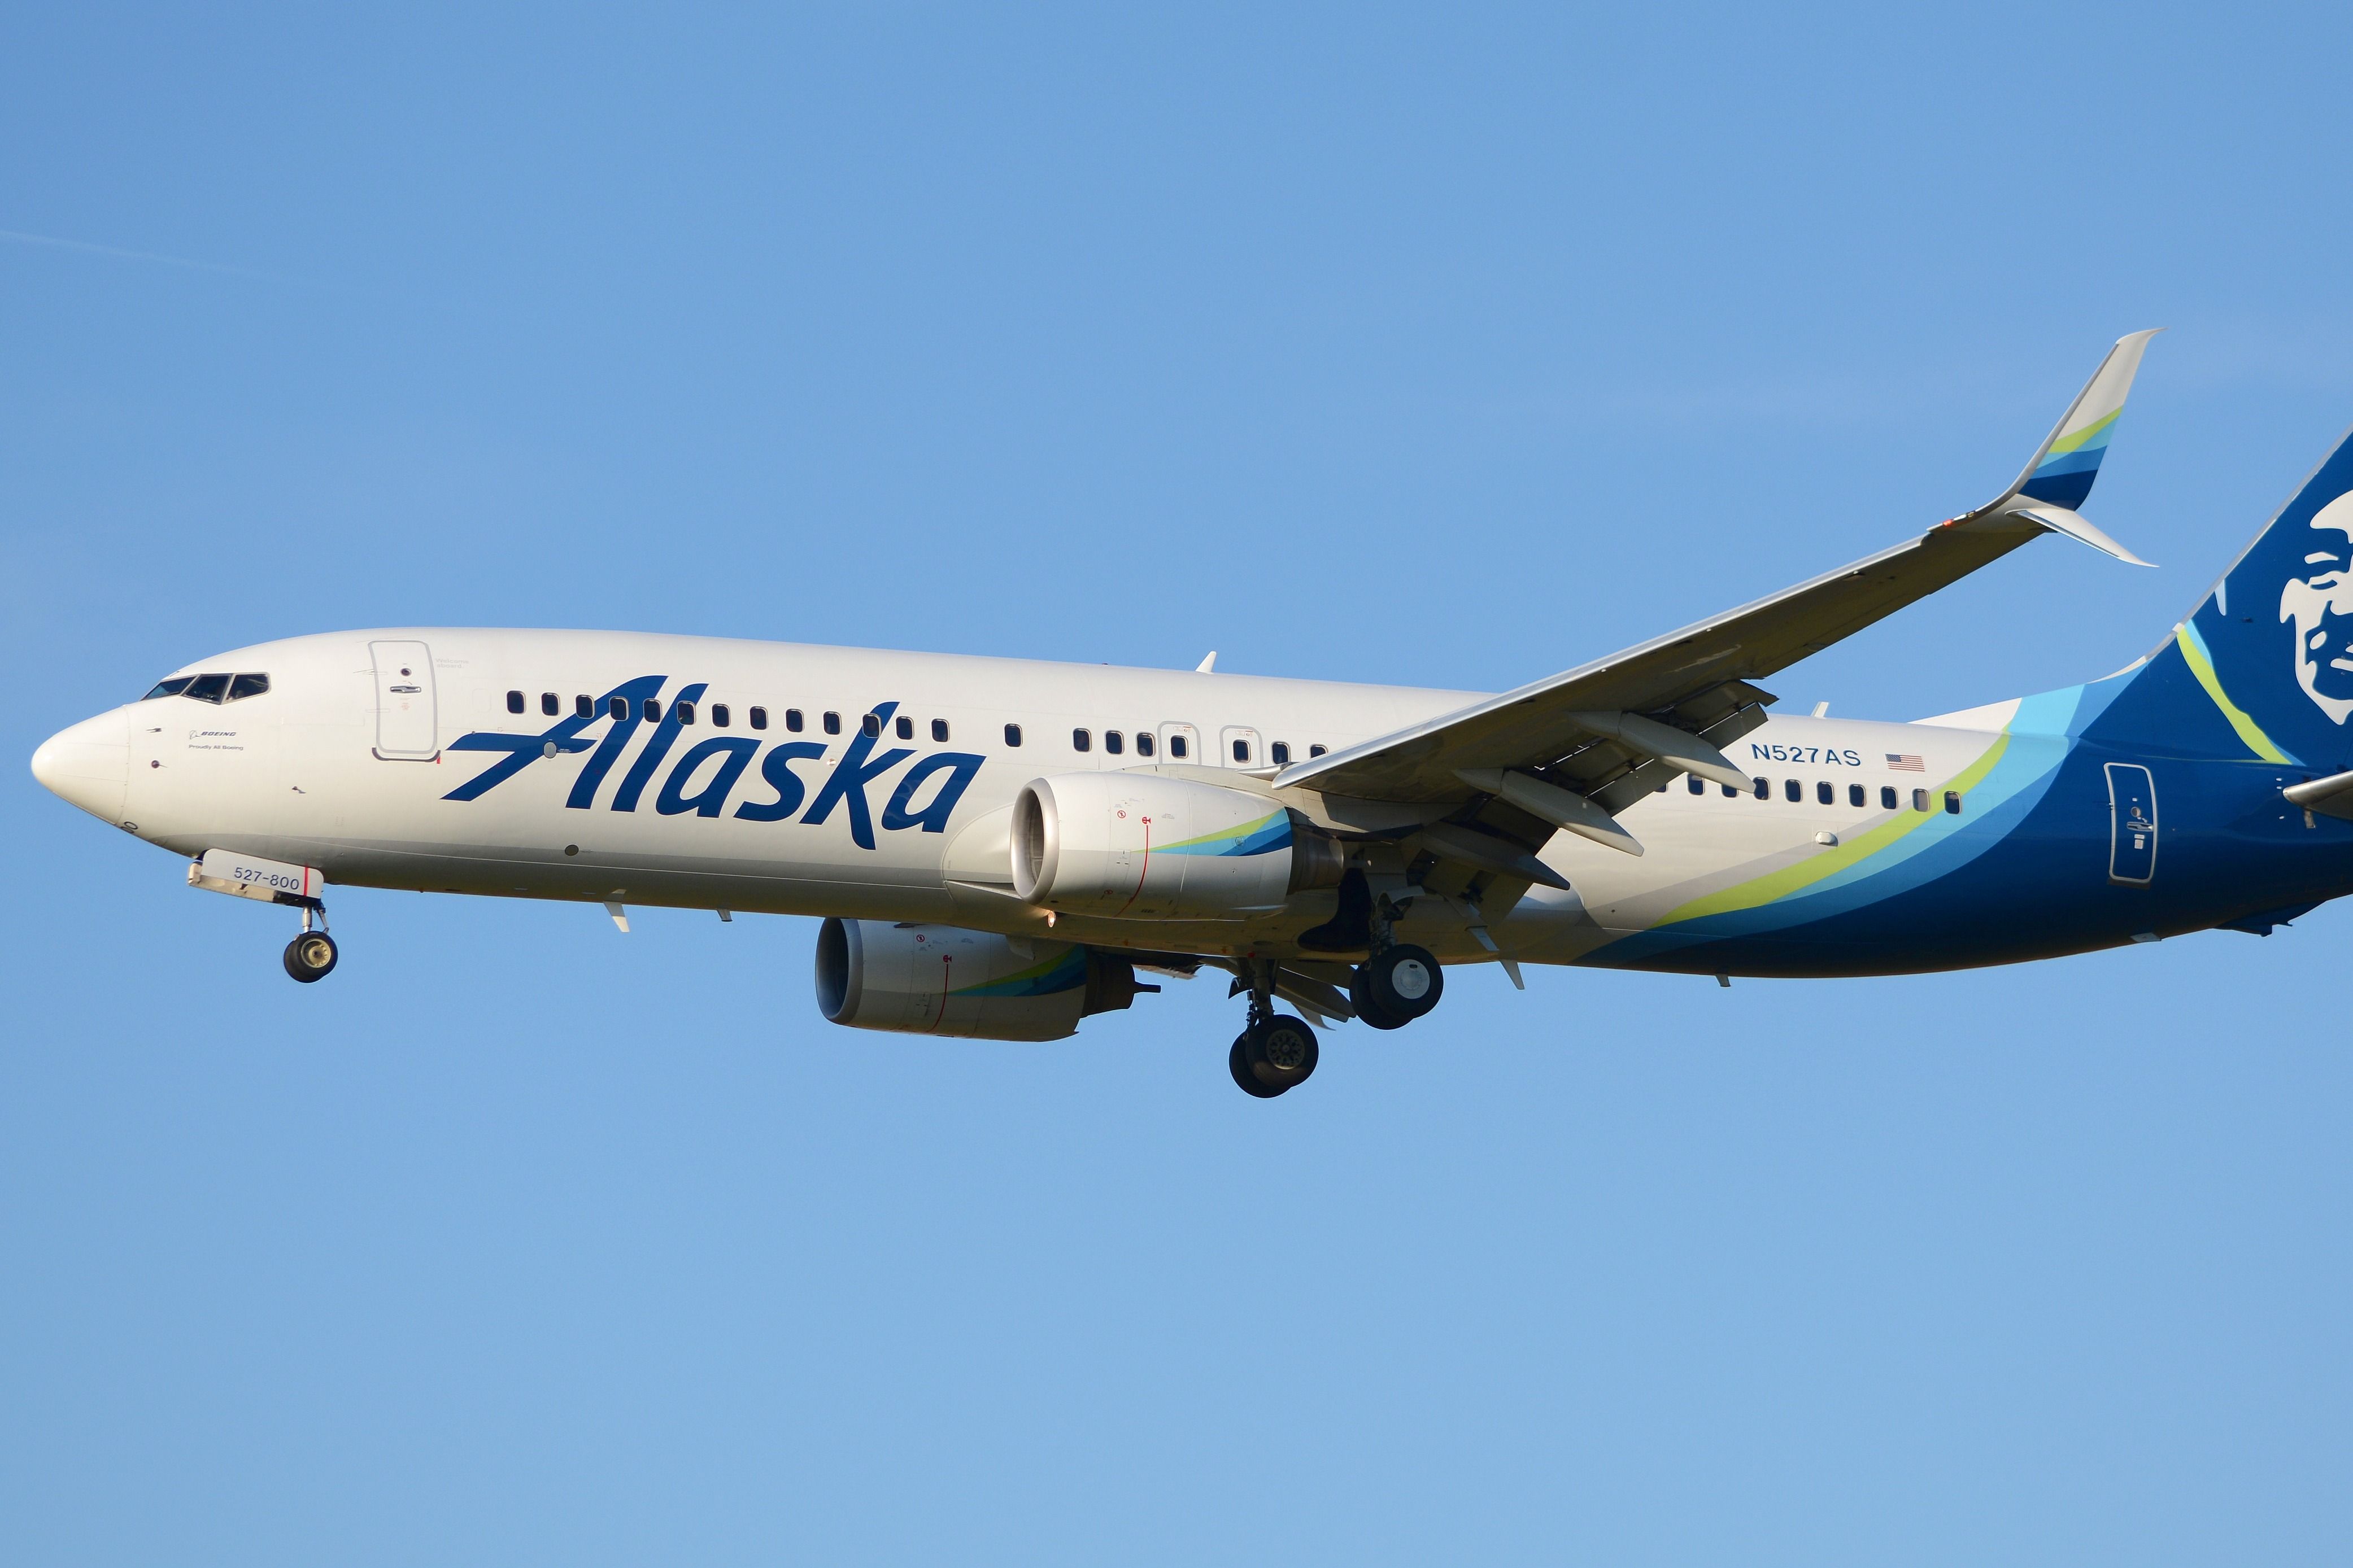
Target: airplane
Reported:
[(997, 847)]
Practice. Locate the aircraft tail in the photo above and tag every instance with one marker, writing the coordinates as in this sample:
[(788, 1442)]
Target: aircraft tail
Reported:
[(2262, 668)]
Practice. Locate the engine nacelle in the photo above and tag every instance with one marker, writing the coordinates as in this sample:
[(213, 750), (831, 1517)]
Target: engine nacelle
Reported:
[(940, 980), (1144, 846)]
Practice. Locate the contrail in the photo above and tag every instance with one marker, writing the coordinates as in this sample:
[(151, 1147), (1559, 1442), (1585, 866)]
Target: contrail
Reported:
[(52, 243)]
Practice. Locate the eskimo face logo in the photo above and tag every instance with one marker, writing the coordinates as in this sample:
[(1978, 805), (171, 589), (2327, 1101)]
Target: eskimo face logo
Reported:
[(2321, 604)]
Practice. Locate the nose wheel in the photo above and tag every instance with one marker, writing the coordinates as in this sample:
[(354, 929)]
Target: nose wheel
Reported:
[(310, 956)]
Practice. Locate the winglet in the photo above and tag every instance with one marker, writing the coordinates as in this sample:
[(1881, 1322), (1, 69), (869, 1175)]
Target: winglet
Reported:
[(2064, 468), (2058, 477), (1208, 666), (2077, 527)]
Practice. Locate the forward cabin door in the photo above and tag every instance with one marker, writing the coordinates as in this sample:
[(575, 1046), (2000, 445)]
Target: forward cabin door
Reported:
[(2132, 825), (406, 728)]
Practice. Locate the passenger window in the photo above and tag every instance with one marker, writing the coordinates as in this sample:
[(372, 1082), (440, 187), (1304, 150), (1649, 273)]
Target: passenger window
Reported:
[(618, 707), (1953, 802), (1081, 741), (1763, 790), (1854, 794), (1887, 798), (1919, 799), (584, 707), (759, 718), (548, 704), (1241, 750), (1318, 751), (1793, 790), (1729, 793), (1114, 742), (1013, 734), (207, 687), (171, 687), (649, 709), (833, 723), (1698, 785), (1825, 793), (719, 715), (871, 724), (1145, 745), (906, 727), (683, 711), (1279, 751), (515, 701), (940, 731), (1177, 748), (248, 686)]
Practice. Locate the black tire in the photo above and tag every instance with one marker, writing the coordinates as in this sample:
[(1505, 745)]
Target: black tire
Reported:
[(312, 956), (1282, 1053), (1238, 1062), (1405, 980), (1369, 1011)]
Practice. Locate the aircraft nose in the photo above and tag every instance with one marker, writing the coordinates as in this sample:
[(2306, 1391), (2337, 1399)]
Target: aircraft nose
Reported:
[(88, 763)]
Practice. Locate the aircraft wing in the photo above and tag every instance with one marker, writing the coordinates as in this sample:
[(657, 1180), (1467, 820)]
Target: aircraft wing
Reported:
[(1573, 750)]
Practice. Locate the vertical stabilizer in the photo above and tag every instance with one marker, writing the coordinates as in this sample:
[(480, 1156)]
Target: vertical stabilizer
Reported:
[(2263, 668)]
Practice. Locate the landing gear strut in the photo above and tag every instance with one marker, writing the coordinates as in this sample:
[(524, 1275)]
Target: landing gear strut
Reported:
[(311, 955), (1275, 1052)]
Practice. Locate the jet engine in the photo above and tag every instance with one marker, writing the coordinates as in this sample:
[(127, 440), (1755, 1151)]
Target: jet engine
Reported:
[(940, 980), (1144, 846)]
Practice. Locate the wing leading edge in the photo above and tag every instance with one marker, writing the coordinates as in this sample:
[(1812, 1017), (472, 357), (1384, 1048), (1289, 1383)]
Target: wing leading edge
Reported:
[(1608, 732)]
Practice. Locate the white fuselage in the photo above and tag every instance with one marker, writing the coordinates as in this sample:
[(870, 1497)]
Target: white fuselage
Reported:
[(298, 773)]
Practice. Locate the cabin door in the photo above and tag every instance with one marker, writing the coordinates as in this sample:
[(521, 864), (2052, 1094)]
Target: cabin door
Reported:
[(2132, 825), (405, 730)]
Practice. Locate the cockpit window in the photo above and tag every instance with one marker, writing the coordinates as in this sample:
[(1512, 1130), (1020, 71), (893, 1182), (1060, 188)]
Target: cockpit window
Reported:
[(213, 688)]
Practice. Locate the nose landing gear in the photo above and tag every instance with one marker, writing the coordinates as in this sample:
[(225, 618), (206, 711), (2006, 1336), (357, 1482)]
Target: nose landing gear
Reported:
[(311, 955)]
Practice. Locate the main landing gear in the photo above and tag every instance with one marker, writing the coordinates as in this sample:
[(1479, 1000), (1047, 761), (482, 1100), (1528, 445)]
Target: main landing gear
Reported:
[(311, 955), (1397, 984), (1275, 1052)]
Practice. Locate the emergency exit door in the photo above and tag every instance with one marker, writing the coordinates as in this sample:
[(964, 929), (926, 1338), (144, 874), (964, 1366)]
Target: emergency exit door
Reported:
[(2132, 825), (405, 730)]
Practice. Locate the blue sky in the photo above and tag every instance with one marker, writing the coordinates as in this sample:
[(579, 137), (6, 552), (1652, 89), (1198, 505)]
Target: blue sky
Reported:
[(1350, 344)]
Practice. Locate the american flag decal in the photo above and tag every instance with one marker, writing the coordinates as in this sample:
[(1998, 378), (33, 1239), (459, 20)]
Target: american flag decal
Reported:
[(1905, 763)]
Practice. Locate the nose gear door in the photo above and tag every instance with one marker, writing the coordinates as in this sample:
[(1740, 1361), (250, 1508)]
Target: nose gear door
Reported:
[(405, 730), (2132, 825)]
